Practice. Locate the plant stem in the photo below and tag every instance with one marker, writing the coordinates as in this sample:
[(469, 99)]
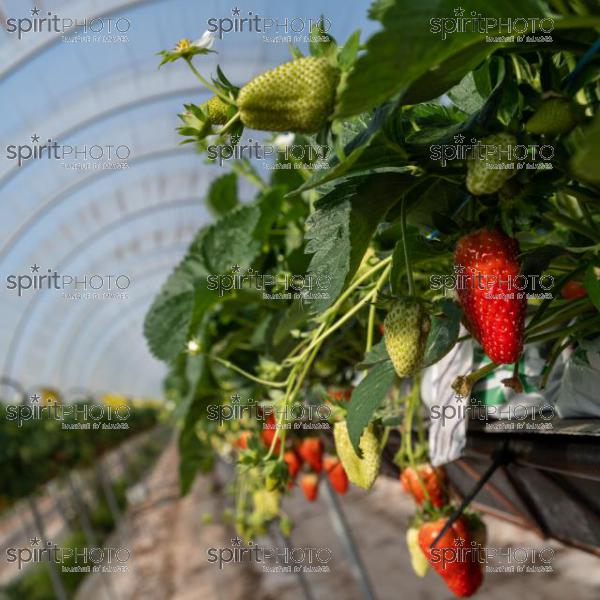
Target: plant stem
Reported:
[(229, 124), (366, 275), (409, 273), (364, 300), (208, 85), (372, 309), (564, 314), (563, 332), (230, 365), (556, 352)]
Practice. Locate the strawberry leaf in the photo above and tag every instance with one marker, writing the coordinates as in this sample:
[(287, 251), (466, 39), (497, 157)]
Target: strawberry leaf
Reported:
[(222, 194), (367, 398), (376, 355), (407, 49), (443, 333), (340, 229)]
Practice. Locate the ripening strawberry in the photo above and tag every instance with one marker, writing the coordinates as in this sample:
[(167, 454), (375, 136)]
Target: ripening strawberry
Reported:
[(554, 116), (296, 96), (268, 432), (493, 167), (452, 557), (418, 560), (488, 290), (336, 474), (406, 328), (216, 110), (360, 471), (425, 482), (242, 440), (572, 290), (311, 452), (294, 463), (309, 482)]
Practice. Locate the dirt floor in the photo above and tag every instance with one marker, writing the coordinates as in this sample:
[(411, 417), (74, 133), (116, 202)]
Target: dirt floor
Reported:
[(169, 547)]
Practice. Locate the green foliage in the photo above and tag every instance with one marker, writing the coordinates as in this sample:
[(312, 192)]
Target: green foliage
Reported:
[(376, 218)]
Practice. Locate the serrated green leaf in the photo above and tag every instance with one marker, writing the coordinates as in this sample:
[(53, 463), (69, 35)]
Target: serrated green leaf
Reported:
[(168, 320), (222, 194), (419, 250), (376, 355), (367, 398), (407, 49), (349, 51), (231, 240), (318, 47), (340, 229), (586, 160), (443, 334)]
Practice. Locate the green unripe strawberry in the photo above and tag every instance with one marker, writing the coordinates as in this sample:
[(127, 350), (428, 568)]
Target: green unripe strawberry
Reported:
[(406, 327), (488, 172), (555, 116), (266, 503), (216, 110), (418, 560), (361, 471), (296, 96)]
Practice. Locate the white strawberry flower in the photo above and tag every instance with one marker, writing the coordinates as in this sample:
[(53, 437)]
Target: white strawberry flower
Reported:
[(206, 41), (284, 140)]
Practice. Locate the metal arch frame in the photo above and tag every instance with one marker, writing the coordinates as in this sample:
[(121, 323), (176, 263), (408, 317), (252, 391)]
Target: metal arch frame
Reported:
[(15, 384), (57, 199), (52, 41), (145, 275), (19, 330), (109, 336), (99, 117)]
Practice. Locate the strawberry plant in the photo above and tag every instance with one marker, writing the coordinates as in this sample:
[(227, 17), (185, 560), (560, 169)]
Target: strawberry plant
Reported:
[(452, 157)]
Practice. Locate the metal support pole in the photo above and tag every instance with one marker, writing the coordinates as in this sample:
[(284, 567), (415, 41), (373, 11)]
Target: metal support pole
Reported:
[(109, 493), (286, 542), (57, 584), (342, 529), (88, 530), (501, 457)]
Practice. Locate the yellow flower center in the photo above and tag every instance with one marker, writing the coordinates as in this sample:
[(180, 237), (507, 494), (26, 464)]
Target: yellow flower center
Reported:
[(182, 45)]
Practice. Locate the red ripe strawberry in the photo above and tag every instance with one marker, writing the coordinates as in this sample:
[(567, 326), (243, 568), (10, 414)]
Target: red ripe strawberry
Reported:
[(336, 474), (293, 462), (425, 482), (452, 557), (311, 451), (268, 432), (309, 483), (339, 395), (488, 289), (242, 440), (573, 290)]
